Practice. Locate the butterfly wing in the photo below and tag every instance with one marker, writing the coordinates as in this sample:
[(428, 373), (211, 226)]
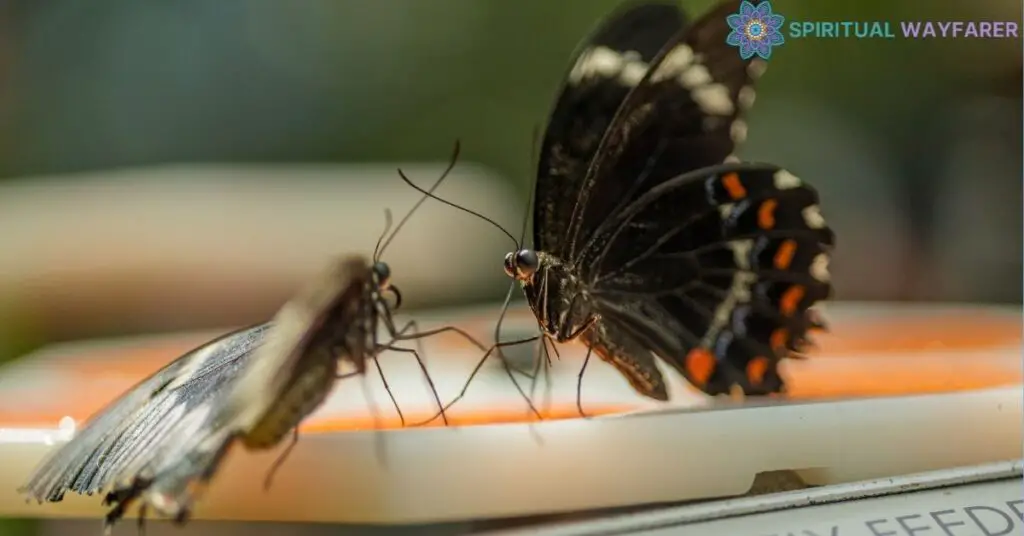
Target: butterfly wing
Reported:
[(135, 423), (287, 377), (605, 67), (684, 115), (721, 280), (335, 309)]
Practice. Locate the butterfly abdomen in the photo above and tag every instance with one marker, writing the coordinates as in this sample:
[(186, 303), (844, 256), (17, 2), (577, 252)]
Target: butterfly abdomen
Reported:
[(305, 393)]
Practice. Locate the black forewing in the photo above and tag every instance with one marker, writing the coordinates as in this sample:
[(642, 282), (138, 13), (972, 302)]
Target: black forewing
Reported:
[(685, 115), (733, 257), (605, 67), (132, 423)]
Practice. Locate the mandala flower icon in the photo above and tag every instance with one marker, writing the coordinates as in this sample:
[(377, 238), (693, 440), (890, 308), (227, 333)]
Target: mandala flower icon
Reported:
[(755, 30)]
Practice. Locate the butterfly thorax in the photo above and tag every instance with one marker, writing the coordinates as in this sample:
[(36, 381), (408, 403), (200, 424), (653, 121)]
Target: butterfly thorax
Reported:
[(305, 393), (342, 306), (559, 298)]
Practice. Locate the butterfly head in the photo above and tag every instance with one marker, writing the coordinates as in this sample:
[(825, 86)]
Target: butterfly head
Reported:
[(553, 291), (382, 281), (522, 265)]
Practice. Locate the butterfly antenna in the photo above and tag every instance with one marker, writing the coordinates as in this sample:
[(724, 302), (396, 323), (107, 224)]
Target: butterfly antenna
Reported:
[(387, 227), (522, 239), (429, 194), (426, 193)]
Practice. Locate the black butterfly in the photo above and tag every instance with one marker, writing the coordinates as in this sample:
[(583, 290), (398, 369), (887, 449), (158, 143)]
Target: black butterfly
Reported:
[(162, 441), (645, 242)]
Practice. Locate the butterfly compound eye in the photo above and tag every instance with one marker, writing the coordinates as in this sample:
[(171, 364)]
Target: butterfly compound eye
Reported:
[(526, 263), (382, 274), (510, 267)]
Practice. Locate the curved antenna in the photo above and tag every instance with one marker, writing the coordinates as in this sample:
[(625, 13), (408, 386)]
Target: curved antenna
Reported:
[(431, 195), (522, 237), (426, 194), (498, 343), (533, 190), (387, 227)]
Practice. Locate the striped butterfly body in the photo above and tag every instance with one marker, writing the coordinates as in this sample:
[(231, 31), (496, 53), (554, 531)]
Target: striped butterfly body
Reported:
[(161, 442), (650, 237)]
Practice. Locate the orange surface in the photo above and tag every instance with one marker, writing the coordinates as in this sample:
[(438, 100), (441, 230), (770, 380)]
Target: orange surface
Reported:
[(875, 337), (859, 357), (490, 416)]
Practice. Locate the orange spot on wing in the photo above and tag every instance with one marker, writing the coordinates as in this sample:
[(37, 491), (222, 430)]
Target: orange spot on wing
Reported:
[(784, 255), (791, 299), (756, 369), (732, 184), (700, 364), (779, 338), (766, 214)]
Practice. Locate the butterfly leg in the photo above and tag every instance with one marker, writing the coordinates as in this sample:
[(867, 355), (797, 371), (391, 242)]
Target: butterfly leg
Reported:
[(141, 522), (426, 374), (542, 358), (110, 520), (476, 370), (579, 384), (122, 498), (387, 387), (378, 438), (402, 335), (586, 360), (280, 459), (418, 353), (587, 325)]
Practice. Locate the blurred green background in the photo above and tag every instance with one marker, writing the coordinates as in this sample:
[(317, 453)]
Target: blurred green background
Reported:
[(915, 146)]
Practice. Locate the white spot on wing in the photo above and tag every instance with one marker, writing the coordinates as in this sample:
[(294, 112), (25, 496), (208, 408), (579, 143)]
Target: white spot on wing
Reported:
[(739, 291), (785, 180), (694, 76), (738, 131), (674, 63), (746, 97), (606, 63), (731, 159), (633, 72), (601, 61), (741, 252), (819, 267), (725, 209), (757, 68), (813, 218), (713, 99)]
